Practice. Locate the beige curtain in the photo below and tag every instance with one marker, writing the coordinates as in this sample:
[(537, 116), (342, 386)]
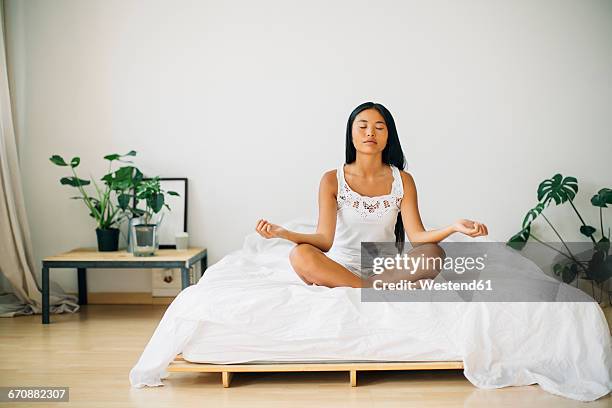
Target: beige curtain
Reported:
[(16, 259)]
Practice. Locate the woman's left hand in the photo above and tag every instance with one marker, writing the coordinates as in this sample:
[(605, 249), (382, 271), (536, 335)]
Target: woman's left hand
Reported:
[(470, 228)]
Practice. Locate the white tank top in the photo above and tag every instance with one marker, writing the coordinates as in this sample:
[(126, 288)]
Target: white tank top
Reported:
[(362, 218)]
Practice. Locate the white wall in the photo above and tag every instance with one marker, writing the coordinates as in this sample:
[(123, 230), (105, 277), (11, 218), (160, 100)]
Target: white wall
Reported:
[(250, 101)]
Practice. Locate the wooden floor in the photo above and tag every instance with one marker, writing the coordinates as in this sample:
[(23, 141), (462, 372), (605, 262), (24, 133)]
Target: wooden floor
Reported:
[(92, 352)]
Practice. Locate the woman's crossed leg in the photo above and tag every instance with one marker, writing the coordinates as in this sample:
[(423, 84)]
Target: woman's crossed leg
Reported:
[(314, 267)]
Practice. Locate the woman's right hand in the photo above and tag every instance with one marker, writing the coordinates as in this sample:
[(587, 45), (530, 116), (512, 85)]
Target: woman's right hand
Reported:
[(470, 228), (269, 230)]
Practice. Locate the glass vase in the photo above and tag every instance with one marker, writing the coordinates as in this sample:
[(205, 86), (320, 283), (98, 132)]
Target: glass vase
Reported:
[(144, 239)]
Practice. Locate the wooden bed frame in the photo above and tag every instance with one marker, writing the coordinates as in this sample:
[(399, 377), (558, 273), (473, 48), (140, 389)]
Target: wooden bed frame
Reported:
[(227, 370)]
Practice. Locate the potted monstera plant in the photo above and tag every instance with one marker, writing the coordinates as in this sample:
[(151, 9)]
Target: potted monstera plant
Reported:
[(108, 204), (595, 264)]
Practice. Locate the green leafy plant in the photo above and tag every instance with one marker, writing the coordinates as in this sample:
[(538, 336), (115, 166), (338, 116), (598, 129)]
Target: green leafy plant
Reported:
[(153, 195), (109, 205), (560, 190)]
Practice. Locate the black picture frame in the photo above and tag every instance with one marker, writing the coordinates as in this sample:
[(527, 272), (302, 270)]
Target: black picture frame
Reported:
[(167, 243)]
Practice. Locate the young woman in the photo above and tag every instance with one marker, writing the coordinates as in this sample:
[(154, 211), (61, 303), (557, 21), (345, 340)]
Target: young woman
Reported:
[(368, 199)]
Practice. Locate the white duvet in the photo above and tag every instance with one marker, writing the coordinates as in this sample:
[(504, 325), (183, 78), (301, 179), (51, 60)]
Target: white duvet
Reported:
[(251, 307)]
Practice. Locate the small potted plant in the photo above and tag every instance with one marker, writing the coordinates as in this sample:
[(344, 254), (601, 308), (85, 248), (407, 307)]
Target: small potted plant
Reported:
[(109, 204), (143, 236)]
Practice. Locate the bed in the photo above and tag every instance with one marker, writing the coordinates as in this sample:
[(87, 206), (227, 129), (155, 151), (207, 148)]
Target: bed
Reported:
[(250, 310)]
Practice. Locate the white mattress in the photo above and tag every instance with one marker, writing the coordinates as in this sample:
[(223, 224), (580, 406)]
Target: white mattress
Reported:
[(251, 307), (336, 337)]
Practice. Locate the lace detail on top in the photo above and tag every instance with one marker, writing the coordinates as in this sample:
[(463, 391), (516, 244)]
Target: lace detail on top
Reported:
[(370, 207)]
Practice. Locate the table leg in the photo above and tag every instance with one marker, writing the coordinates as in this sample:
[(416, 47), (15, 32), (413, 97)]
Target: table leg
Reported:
[(203, 265), (45, 295), (184, 276), (82, 280)]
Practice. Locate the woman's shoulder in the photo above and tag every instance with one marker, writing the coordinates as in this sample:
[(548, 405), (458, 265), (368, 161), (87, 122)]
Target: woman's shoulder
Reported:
[(407, 180), (403, 173), (330, 175), (330, 179)]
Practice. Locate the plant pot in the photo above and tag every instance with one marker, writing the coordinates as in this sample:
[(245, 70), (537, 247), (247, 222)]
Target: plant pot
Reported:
[(144, 239), (130, 243), (108, 239)]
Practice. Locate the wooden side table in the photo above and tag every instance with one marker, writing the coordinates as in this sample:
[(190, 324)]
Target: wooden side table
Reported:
[(83, 258)]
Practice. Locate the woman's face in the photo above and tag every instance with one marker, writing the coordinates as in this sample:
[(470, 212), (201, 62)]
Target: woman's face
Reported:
[(370, 132)]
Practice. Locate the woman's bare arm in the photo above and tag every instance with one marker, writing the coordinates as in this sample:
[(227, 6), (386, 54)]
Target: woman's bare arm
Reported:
[(413, 225), (323, 238)]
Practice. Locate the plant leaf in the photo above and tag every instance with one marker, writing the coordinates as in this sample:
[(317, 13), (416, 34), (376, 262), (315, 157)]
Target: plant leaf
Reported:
[(519, 240), (124, 201), (600, 268), (137, 211), (587, 230), (156, 202), (74, 181), (569, 272), (173, 193), (533, 214), (122, 179), (603, 197), (116, 156), (130, 153), (75, 162), (58, 160), (558, 189), (138, 176), (112, 157)]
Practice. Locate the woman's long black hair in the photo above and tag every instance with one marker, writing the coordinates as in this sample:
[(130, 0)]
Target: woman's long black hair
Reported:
[(392, 153)]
